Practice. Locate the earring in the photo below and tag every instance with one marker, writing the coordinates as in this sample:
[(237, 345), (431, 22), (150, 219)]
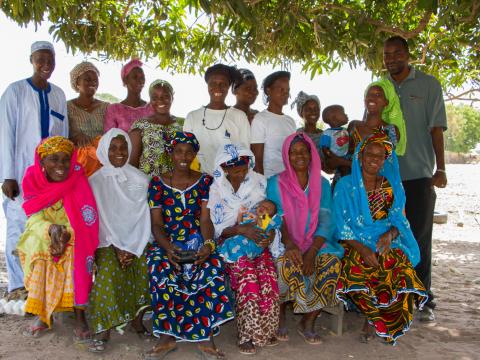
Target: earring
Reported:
[(43, 169)]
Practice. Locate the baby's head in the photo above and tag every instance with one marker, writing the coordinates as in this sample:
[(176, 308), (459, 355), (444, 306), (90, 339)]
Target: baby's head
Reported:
[(334, 115), (266, 207)]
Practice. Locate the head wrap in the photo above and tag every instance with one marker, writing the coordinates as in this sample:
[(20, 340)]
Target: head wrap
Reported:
[(392, 113), (42, 45), (132, 64), (378, 138), (160, 83), (352, 215), (180, 137), (245, 75), (80, 206), (300, 209), (121, 194), (230, 72), (301, 99), (238, 161), (79, 70), (53, 145)]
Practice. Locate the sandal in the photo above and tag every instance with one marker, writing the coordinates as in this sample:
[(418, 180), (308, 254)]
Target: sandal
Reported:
[(247, 348), (35, 331), (160, 351), (209, 353), (282, 334), (272, 342), (310, 337), (97, 345), (81, 336)]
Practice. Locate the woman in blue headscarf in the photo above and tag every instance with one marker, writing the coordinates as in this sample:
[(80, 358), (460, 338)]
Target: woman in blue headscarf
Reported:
[(378, 274)]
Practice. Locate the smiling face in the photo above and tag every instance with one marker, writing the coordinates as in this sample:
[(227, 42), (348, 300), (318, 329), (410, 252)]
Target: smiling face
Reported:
[(87, 83), (375, 100), (299, 156), (311, 112), (135, 80), (373, 158), (279, 92), (43, 62), (118, 151), (161, 100), (247, 92), (56, 166), (182, 156), (395, 57), (218, 84)]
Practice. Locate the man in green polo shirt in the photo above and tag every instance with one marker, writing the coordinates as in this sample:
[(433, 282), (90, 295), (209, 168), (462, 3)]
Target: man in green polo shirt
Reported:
[(423, 165)]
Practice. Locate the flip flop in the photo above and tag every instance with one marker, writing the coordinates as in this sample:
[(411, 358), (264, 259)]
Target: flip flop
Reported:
[(163, 350), (272, 342), (282, 334), (251, 351), (35, 331), (310, 337), (97, 346)]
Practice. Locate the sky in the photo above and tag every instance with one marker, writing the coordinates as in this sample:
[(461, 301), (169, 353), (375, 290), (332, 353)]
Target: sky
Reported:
[(344, 87)]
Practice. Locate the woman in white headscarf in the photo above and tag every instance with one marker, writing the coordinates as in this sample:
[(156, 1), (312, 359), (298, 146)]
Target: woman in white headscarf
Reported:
[(121, 284), (237, 188)]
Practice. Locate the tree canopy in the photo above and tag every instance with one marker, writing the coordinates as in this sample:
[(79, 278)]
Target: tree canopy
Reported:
[(188, 35)]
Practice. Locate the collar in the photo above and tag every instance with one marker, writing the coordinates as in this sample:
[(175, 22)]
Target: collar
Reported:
[(411, 76), (47, 90)]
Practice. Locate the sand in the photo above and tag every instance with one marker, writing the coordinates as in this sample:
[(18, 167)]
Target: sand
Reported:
[(454, 335)]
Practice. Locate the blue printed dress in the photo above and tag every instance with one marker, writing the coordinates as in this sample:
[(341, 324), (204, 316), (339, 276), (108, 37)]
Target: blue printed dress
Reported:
[(188, 304)]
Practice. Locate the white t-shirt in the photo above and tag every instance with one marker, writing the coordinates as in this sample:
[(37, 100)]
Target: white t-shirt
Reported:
[(271, 130), (221, 127)]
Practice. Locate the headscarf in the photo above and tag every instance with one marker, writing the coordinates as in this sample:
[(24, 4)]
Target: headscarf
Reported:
[(81, 209), (392, 113), (79, 70), (239, 161), (224, 203), (42, 45), (378, 138), (128, 67), (230, 72), (122, 198), (162, 83), (53, 145), (301, 99), (180, 137), (352, 213), (300, 209), (245, 75)]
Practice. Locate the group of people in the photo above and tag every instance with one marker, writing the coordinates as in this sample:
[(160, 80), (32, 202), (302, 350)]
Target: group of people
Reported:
[(116, 209)]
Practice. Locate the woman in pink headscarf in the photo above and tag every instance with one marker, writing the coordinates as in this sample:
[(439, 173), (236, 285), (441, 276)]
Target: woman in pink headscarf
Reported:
[(309, 265), (122, 115)]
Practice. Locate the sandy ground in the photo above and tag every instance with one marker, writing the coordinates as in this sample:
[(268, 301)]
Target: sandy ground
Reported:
[(454, 335)]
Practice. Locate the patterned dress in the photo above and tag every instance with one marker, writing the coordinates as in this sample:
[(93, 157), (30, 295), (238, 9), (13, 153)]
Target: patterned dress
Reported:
[(188, 303), (386, 295), (154, 160)]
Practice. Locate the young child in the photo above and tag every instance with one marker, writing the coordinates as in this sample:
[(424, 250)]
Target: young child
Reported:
[(336, 139), (264, 215)]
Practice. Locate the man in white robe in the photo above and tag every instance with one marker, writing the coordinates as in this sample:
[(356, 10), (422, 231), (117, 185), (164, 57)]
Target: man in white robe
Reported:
[(30, 110)]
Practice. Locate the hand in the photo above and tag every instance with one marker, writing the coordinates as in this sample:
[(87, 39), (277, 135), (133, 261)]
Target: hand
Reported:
[(172, 256), (332, 161), (384, 242), (125, 258), (251, 232), (309, 262), (293, 254), (10, 188), (203, 254), (439, 179), (369, 257), (266, 241), (59, 238)]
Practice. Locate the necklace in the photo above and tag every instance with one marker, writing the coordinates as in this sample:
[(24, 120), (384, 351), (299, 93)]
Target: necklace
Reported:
[(218, 127)]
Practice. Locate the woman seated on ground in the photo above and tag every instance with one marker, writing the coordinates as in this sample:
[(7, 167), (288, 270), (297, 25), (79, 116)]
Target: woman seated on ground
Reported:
[(149, 135), (187, 280), (237, 188), (86, 115), (309, 269), (383, 114), (57, 247), (120, 290), (378, 273)]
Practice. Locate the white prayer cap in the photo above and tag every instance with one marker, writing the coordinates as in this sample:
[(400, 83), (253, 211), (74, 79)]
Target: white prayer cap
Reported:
[(42, 45)]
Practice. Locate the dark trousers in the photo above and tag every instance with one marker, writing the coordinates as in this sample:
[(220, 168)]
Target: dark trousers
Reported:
[(419, 208)]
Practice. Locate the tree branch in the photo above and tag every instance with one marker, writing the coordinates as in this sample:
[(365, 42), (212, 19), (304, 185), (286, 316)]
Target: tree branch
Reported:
[(461, 96)]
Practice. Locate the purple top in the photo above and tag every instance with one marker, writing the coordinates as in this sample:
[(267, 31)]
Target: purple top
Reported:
[(123, 116)]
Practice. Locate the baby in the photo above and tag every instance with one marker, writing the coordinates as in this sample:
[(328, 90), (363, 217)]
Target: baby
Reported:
[(265, 217), (335, 139)]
